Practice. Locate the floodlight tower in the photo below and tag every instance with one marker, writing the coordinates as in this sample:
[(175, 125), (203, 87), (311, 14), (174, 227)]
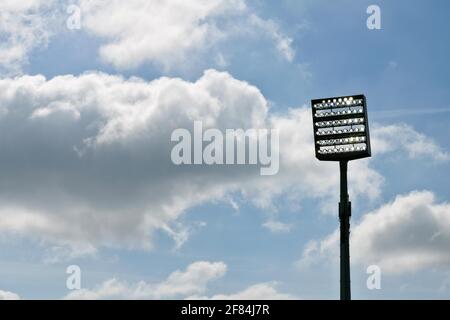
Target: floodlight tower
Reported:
[(341, 133)]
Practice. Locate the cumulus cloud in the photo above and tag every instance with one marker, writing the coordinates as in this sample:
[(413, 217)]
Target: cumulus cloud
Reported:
[(261, 291), (86, 159), (179, 284), (188, 284), (169, 32), (7, 295), (23, 27), (406, 235)]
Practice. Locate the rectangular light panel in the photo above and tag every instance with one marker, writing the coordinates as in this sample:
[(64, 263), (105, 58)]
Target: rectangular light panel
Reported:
[(341, 128)]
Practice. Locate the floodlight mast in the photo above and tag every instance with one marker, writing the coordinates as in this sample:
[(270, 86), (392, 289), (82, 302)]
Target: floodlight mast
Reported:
[(341, 133)]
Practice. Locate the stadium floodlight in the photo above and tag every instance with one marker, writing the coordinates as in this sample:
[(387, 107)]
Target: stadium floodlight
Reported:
[(341, 129), (341, 133)]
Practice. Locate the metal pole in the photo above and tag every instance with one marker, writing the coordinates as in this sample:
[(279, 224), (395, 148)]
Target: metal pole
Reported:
[(344, 218)]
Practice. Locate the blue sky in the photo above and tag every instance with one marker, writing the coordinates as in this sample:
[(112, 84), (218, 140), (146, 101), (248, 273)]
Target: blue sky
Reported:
[(403, 71)]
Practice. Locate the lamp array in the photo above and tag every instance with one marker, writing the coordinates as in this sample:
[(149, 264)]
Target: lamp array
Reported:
[(340, 131), (343, 149), (338, 103)]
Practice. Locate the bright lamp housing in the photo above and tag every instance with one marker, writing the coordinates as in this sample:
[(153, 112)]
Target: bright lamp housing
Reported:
[(341, 128)]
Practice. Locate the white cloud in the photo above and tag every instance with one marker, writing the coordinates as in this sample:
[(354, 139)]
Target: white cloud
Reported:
[(179, 284), (404, 137), (99, 169), (7, 295), (86, 160), (270, 28), (409, 234), (261, 291), (317, 251), (193, 281), (23, 27), (277, 226), (169, 32), (188, 284)]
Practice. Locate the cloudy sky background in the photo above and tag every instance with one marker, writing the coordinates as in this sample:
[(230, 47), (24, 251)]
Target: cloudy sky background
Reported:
[(85, 173)]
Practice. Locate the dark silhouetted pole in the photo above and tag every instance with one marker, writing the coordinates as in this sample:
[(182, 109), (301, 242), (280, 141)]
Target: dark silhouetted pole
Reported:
[(344, 218)]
